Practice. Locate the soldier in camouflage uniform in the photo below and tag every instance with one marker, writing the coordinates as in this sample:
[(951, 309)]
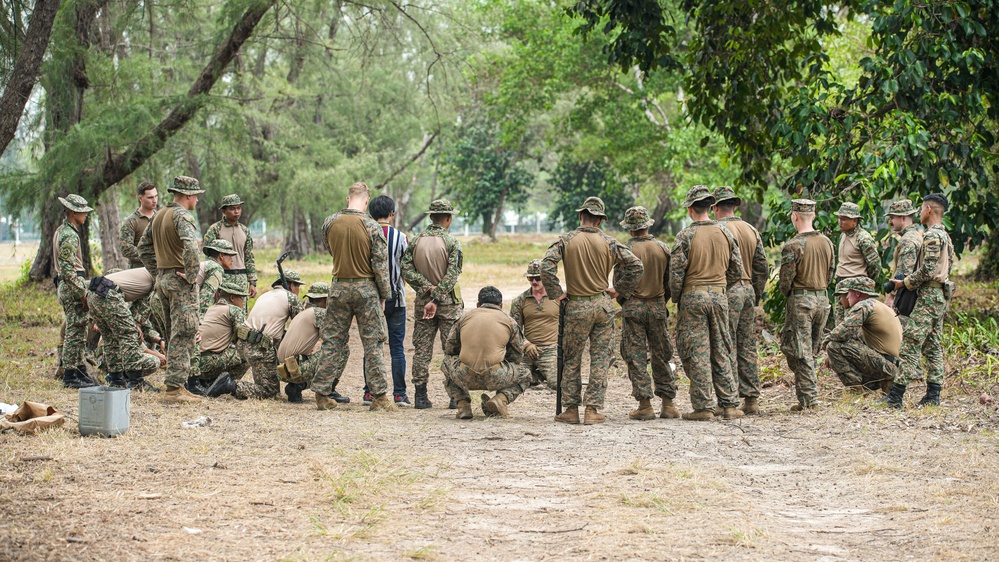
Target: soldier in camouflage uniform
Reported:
[(644, 329), (135, 224), (297, 355), (863, 349), (360, 286), (907, 250), (243, 269), (219, 328), (858, 252), (68, 258), (744, 296), (806, 266), (931, 281), (588, 256), (125, 356), (484, 351), (220, 254), (169, 250), (705, 260), (431, 266), (537, 316)]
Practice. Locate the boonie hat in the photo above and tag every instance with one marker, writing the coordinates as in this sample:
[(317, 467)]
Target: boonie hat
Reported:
[(234, 287), (726, 193), (441, 207), (318, 290), (533, 269), (860, 284), (698, 193), (637, 218), (75, 203), (849, 210), (594, 206), (901, 208), (186, 185), (231, 200), (802, 206), (221, 246)]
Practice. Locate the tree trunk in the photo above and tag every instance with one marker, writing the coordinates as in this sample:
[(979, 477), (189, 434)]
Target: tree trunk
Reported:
[(497, 217), (298, 239), (666, 204), (110, 221)]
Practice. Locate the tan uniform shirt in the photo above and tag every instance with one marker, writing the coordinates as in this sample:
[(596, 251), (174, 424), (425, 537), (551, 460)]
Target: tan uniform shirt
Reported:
[(745, 236), (851, 259), (814, 266), (540, 320), (134, 283), (166, 241), (430, 258), (710, 251), (301, 337), (270, 312), (350, 246), (882, 330), (485, 333), (216, 328), (588, 264), (236, 235), (656, 262)]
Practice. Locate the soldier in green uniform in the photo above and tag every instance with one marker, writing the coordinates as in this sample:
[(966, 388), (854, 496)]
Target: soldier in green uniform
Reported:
[(297, 355), (744, 296), (858, 252), (588, 256), (863, 349), (70, 274), (806, 266), (484, 351), (135, 224), (431, 266), (243, 269), (360, 286), (537, 316), (212, 272), (907, 250), (644, 330), (705, 261), (219, 329), (931, 281), (169, 250)]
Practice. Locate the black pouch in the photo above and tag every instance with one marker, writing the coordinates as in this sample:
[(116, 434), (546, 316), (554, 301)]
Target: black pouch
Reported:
[(905, 300), (101, 286)]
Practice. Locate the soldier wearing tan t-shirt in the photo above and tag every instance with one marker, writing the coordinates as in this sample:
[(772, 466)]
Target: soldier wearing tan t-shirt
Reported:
[(537, 316), (863, 349), (805, 270), (858, 252), (219, 335), (298, 353)]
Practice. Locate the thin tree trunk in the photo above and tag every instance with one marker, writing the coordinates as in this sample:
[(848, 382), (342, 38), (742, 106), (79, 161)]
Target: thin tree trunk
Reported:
[(110, 221)]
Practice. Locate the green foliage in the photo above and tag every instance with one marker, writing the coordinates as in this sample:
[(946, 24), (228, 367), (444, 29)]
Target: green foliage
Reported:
[(575, 181)]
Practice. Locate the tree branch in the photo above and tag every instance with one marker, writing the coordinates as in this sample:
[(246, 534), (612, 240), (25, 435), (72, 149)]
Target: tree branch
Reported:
[(426, 144)]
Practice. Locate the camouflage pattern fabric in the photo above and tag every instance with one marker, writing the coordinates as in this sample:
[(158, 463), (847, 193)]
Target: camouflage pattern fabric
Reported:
[(644, 333), (801, 337), (507, 378), (705, 348), (262, 359), (187, 230), (214, 277), (544, 366), (212, 364), (760, 268), (249, 262), (742, 328), (679, 259), (180, 304), (128, 236), (423, 336), (853, 361), (123, 351), (791, 253), (591, 320), (157, 316), (71, 292), (910, 243), (923, 331)]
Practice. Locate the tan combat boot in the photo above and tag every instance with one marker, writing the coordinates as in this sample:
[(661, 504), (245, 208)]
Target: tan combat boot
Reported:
[(644, 411), (570, 415), (178, 394), (669, 411), (495, 406), (699, 415), (803, 408), (591, 417), (382, 402), (732, 413), (751, 406), (464, 410), (324, 402)]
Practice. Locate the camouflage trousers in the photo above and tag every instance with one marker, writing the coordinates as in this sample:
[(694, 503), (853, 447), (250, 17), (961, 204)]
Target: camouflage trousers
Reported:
[(645, 337), (157, 316), (180, 304), (309, 365), (856, 364), (593, 321), (424, 332), (544, 366), (211, 364), (742, 328), (74, 341), (507, 378), (347, 300), (921, 336), (123, 350), (800, 339), (705, 348), (262, 359)]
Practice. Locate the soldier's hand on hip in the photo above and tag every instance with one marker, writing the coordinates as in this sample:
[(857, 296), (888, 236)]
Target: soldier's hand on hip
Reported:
[(181, 275)]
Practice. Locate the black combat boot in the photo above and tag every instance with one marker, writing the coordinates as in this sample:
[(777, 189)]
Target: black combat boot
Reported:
[(137, 383), (894, 398), (452, 405), (82, 373), (222, 385), (339, 398), (116, 380), (294, 392), (932, 397), (420, 401), (73, 378), (196, 386)]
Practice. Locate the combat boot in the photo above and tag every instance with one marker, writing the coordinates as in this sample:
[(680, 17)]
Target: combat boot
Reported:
[(420, 400), (465, 410), (495, 406), (751, 406), (591, 417), (294, 392), (452, 405), (644, 411), (178, 394), (699, 415), (570, 415), (932, 397), (804, 407), (669, 411), (222, 385), (324, 402), (382, 402), (82, 374), (71, 378), (116, 380), (138, 384), (196, 386), (732, 413), (894, 397)]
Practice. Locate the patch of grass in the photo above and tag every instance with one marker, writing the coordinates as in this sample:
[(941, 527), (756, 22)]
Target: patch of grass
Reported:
[(428, 552)]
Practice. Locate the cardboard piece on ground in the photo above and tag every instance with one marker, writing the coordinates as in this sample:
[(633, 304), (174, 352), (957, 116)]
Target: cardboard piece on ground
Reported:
[(32, 417)]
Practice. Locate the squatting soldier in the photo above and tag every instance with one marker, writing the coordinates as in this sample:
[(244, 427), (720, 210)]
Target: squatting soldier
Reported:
[(858, 252), (537, 316), (219, 335), (744, 296), (212, 272), (360, 286), (588, 256), (297, 355), (907, 250), (934, 289), (644, 330), (431, 266), (70, 274), (806, 266), (705, 260), (863, 349), (169, 250), (136, 223), (485, 352), (243, 269)]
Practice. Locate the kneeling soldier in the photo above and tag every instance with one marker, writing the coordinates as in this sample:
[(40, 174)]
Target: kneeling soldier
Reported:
[(863, 348), (297, 355), (537, 316), (212, 273), (219, 355)]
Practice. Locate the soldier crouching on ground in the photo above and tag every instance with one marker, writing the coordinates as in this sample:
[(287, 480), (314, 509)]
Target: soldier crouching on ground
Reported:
[(537, 316), (863, 349), (297, 355), (219, 355), (484, 352)]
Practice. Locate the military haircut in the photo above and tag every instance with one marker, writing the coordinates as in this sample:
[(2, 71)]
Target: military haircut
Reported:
[(439, 218), (358, 189), (586, 216), (727, 205), (490, 295), (803, 215), (210, 252), (701, 206), (380, 207), (937, 201), (144, 187), (315, 301)]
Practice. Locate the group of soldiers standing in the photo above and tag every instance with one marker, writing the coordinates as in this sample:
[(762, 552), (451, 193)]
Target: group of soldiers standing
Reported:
[(173, 310)]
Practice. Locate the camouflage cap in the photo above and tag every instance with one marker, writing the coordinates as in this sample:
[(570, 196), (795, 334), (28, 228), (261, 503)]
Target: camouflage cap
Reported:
[(849, 210), (318, 290), (441, 207), (186, 185), (234, 287), (860, 284), (802, 206), (594, 206), (533, 269), (726, 193), (221, 246), (901, 208), (292, 276), (231, 200), (698, 193), (75, 203), (637, 218)]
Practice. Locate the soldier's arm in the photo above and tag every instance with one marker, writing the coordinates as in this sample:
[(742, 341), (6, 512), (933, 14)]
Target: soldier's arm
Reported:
[(872, 259), (734, 272), (908, 256), (761, 269), (416, 280), (207, 294), (379, 259), (628, 269), (853, 322), (931, 255), (549, 269), (953, 257), (517, 310), (125, 237), (454, 264), (66, 260), (789, 256), (515, 347), (678, 263), (831, 275), (146, 253), (248, 259), (325, 230), (188, 232), (213, 232), (452, 346)]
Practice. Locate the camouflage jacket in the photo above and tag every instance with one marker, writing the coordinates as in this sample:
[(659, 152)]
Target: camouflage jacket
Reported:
[(935, 240), (907, 250), (514, 348), (187, 230), (760, 269), (628, 268), (211, 283), (248, 261), (869, 249), (127, 237), (379, 249), (790, 255), (679, 258), (851, 328), (67, 246), (448, 286)]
